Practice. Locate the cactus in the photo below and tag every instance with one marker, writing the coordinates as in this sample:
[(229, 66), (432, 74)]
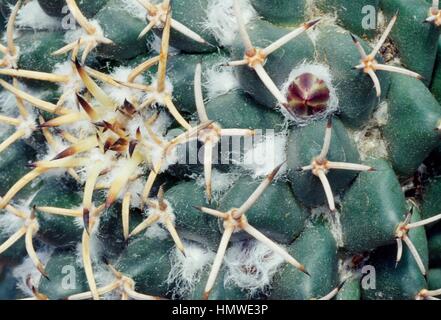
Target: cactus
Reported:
[(220, 149)]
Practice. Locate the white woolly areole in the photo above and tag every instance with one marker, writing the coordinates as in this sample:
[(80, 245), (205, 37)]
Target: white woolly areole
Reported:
[(135, 188), (28, 125), (186, 270), (322, 72), (27, 269), (221, 20), (9, 224), (251, 265), (220, 182), (122, 93), (154, 43), (96, 248), (103, 277), (159, 97), (219, 80), (369, 140), (31, 15), (266, 154), (73, 35), (156, 232), (73, 85), (8, 103)]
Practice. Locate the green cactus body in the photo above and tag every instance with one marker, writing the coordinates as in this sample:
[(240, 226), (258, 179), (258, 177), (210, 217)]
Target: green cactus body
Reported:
[(434, 240), (410, 126), (434, 279), (65, 276), (183, 198), (58, 230), (277, 214), (317, 249), (123, 28), (420, 56), (146, 261), (220, 149), (281, 12), (351, 290), (303, 145), (376, 196), (401, 281), (431, 202), (192, 19), (360, 17)]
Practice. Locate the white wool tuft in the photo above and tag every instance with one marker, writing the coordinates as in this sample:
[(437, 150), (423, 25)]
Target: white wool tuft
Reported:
[(9, 223), (123, 93), (251, 265), (73, 35), (135, 188), (156, 232), (222, 21), (96, 248), (186, 270), (31, 15), (220, 182), (27, 269), (219, 80), (103, 277), (155, 44), (8, 104), (73, 85), (159, 97), (266, 154), (28, 126), (322, 72), (369, 140)]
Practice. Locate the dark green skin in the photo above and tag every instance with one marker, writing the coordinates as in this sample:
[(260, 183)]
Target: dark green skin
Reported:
[(351, 290), (401, 282), (416, 41), (238, 110), (181, 70), (413, 116), (435, 86), (304, 144), (38, 57), (350, 14), (434, 239), (15, 253), (190, 13), (147, 262), (4, 12), (277, 213), (87, 7), (190, 223), (317, 250), (13, 163), (58, 230), (355, 90), (434, 279), (123, 29), (8, 284), (110, 229), (278, 65), (60, 267), (431, 200), (372, 209), (281, 12), (219, 291)]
